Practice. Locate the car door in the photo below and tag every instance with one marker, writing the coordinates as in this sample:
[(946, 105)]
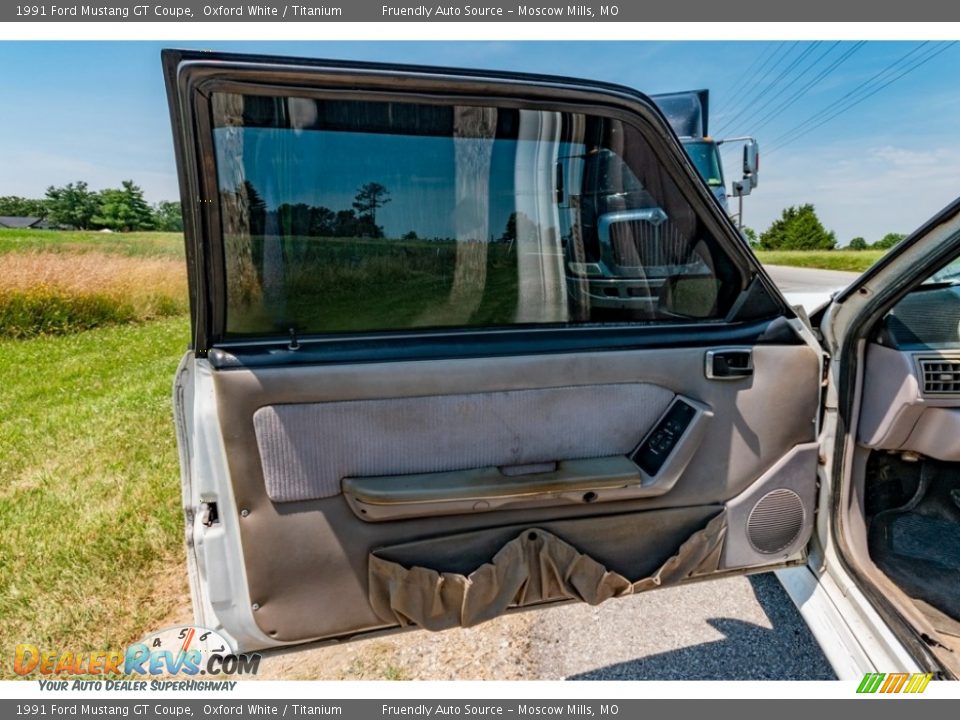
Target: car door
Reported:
[(879, 590), (466, 343)]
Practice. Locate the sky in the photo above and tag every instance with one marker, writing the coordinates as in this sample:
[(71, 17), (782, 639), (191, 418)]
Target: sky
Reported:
[(96, 111)]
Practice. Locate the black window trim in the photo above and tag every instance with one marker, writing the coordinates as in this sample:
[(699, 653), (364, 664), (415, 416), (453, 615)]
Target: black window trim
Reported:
[(492, 343)]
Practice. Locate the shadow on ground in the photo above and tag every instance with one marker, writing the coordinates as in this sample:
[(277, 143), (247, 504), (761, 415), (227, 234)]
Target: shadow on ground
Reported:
[(785, 651)]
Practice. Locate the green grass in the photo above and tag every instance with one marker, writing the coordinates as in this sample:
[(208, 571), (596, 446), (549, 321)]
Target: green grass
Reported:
[(44, 312), (135, 244), (352, 284), (850, 260), (89, 503), (38, 312)]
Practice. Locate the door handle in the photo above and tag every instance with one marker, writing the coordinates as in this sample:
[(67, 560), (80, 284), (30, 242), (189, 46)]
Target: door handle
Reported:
[(729, 364)]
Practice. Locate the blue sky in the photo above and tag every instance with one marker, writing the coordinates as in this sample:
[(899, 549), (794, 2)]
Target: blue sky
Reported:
[(96, 111)]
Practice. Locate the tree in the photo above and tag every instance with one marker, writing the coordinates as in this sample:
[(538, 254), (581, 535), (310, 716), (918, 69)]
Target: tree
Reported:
[(858, 243), (367, 201), (798, 228), (322, 221), (256, 207), (294, 218), (345, 224), (510, 231), (888, 241), (751, 235), (124, 209), (168, 216), (72, 205), (14, 206), (518, 225)]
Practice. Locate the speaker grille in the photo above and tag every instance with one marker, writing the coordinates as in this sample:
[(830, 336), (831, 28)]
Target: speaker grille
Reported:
[(775, 521)]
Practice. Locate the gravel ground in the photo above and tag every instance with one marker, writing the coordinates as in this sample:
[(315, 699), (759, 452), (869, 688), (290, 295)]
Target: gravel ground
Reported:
[(731, 629)]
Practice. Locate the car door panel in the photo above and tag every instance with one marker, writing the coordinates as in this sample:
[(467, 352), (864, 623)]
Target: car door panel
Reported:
[(307, 449), (382, 428), (306, 558), (410, 585)]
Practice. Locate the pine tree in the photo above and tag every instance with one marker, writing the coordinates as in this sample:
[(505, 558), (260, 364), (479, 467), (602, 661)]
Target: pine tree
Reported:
[(798, 228), (124, 209)]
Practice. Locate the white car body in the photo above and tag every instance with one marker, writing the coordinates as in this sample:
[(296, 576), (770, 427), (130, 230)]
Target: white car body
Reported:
[(237, 401)]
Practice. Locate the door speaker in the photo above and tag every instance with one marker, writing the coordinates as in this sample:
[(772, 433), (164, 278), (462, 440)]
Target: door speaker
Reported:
[(775, 521)]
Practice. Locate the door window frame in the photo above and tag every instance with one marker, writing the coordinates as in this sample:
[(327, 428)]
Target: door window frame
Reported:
[(194, 77)]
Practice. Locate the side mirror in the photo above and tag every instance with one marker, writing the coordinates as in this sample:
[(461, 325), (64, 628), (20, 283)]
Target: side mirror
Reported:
[(751, 163), (688, 296)]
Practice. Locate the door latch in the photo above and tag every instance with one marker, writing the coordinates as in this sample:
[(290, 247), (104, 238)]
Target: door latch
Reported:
[(729, 364)]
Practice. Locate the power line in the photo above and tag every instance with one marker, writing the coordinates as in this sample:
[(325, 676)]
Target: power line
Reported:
[(923, 61), (862, 87), (772, 84), (920, 63), (762, 60), (765, 120), (747, 104), (749, 87), (786, 86)]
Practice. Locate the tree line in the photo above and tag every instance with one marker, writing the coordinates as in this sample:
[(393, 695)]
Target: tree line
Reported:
[(360, 220), (76, 206), (124, 209), (799, 228)]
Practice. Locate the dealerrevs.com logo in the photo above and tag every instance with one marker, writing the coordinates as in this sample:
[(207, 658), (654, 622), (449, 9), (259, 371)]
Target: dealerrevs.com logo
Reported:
[(185, 650)]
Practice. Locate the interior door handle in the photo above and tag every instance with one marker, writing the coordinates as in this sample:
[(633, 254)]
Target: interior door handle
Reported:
[(729, 364)]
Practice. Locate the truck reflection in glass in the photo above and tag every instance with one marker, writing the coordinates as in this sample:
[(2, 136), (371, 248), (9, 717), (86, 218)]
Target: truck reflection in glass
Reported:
[(627, 255)]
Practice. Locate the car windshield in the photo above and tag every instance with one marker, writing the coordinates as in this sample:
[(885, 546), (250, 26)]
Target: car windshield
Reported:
[(706, 158), (948, 274)]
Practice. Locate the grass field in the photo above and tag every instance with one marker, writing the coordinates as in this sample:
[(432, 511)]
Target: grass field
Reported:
[(851, 260), (351, 284), (136, 244), (60, 282), (91, 552), (89, 503)]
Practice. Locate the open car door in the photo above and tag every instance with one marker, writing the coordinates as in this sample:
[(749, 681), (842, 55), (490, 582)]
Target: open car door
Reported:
[(882, 589), (465, 343)]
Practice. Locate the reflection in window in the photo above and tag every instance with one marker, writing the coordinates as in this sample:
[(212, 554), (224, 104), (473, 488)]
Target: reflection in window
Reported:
[(346, 216)]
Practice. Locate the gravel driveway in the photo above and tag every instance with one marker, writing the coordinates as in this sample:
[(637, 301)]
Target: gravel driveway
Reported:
[(731, 629)]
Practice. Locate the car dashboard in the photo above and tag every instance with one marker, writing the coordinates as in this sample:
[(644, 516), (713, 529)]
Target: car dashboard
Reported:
[(911, 388)]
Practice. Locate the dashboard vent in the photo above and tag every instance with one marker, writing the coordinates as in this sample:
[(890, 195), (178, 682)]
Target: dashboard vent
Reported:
[(941, 376)]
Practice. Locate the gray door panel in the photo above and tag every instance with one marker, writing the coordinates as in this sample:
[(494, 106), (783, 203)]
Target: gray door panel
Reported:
[(307, 560)]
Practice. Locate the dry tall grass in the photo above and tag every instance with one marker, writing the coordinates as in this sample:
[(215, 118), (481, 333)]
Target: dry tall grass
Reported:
[(51, 293)]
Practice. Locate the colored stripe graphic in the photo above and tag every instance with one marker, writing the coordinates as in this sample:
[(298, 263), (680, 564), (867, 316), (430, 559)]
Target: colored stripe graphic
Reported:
[(894, 683), (870, 683), (919, 682)]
